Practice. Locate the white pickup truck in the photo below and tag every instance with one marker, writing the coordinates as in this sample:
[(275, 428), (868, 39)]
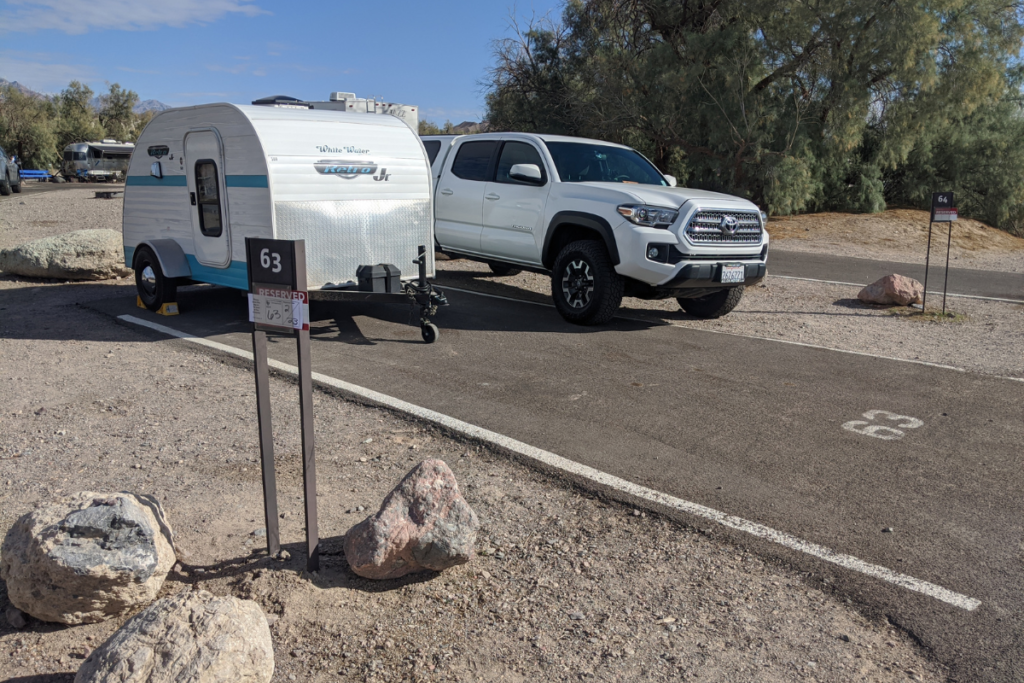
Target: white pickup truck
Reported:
[(598, 217)]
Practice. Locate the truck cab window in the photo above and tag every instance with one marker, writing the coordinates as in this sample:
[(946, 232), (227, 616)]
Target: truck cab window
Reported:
[(208, 198), (518, 153), (473, 160), (432, 147)]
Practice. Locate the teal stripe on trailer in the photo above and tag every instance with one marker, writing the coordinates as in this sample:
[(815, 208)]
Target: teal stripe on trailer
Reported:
[(235, 275), (246, 181), (150, 181), (257, 181)]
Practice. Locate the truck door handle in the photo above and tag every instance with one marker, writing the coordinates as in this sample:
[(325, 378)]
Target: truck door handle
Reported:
[(192, 198), (447, 191), (491, 196)]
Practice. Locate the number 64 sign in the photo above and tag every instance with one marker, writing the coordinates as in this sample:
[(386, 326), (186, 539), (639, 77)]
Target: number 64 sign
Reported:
[(882, 430)]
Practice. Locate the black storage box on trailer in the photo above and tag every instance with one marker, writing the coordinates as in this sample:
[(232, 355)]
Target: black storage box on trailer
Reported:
[(383, 277)]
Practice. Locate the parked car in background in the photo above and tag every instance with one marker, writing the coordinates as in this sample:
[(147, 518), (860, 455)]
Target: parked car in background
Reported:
[(598, 217), (10, 177)]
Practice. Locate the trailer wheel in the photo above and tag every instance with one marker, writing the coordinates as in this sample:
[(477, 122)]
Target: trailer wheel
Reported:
[(154, 289), (430, 333)]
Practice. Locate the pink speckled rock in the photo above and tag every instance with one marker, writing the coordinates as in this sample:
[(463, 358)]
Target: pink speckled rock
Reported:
[(424, 523), (893, 289)]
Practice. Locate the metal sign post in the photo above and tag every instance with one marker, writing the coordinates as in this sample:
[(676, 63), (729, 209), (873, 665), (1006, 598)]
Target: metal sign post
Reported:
[(279, 302), (943, 211)]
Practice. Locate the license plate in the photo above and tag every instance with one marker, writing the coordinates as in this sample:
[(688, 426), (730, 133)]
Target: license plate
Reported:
[(734, 273)]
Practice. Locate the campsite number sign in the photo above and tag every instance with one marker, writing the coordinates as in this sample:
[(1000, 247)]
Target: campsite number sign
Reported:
[(279, 302)]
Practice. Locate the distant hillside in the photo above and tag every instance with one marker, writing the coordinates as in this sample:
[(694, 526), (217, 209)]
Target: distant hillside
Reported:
[(150, 105), (20, 88), (471, 127)]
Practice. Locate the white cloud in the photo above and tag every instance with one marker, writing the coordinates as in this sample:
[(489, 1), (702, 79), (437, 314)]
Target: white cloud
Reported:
[(453, 115), (82, 16), (44, 76)]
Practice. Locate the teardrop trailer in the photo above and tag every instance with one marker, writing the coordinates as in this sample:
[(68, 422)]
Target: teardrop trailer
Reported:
[(356, 187)]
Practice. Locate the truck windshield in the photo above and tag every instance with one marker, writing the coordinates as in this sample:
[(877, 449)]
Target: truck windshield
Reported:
[(582, 162)]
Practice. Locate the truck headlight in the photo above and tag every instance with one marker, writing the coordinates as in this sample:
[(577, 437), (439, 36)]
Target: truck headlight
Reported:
[(648, 216)]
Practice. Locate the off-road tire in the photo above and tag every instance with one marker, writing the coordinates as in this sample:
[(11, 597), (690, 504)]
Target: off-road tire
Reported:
[(713, 305), (153, 287), (16, 189), (581, 265), (5, 187), (503, 269)]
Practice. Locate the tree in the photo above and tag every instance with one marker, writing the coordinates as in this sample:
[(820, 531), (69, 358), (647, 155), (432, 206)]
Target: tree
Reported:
[(75, 119), (117, 114), (26, 128), (796, 105), (428, 128)]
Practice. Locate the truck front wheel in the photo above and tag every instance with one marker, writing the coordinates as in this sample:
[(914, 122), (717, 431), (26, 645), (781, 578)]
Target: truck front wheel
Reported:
[(153, 287), (713, 305), (584, 284)]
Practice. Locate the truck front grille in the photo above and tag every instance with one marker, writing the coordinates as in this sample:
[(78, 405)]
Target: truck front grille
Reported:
[(724, 227)]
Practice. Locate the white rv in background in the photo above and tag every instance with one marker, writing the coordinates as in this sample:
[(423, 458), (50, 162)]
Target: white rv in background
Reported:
[(355, 187), (347, 101)]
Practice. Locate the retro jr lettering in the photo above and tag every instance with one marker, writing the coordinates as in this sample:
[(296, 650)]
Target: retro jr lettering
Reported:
[(345, 169)]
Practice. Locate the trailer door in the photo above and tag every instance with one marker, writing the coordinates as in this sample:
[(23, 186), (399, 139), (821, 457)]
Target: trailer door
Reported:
[(204, 165)]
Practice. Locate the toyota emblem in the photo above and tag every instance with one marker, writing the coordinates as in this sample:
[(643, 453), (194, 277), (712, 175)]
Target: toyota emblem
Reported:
[(728, 225)]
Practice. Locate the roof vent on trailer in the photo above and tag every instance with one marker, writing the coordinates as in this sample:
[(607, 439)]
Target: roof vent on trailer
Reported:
[(340, 96), (282, 101)]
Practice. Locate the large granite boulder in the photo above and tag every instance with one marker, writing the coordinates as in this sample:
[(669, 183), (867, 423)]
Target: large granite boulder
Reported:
[(423, 524), (893, 290), (87, 557), (78, 255), (192, 637)]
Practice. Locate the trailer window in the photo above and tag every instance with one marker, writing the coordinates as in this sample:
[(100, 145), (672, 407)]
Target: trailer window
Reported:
[(432, 147), (208, 198), (67, 156), (473, 160), (79, 156)]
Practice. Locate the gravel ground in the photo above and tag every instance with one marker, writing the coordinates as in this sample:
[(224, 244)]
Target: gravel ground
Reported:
[(28, 217), (814, 313), (566, 586)]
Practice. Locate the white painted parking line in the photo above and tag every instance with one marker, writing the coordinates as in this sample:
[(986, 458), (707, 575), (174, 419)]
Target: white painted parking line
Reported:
[(567, 466), (749, 336), (855, 284)]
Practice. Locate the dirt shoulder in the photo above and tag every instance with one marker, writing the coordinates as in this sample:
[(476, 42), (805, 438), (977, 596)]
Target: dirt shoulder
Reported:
[(566, 586), (898, 235)]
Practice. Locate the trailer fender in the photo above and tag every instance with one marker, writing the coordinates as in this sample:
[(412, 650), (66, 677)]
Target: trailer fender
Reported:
[(170, 255)]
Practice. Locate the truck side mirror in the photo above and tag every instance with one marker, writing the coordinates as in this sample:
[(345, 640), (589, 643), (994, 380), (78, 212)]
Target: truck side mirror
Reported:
[(671, 180), (526, 173)]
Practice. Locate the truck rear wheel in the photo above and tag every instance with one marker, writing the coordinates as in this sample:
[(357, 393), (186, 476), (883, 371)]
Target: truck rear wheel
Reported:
[(153, 287), (503, 269), (16, 187), (584, 284), (5, 186), (713, 305)]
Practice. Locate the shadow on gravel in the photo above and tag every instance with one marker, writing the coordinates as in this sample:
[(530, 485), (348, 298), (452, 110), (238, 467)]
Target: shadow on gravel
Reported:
[(334, 569), (42, 678)]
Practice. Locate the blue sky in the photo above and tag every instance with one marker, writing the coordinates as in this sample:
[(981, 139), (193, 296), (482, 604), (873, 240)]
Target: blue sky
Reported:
[(182, 52)]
